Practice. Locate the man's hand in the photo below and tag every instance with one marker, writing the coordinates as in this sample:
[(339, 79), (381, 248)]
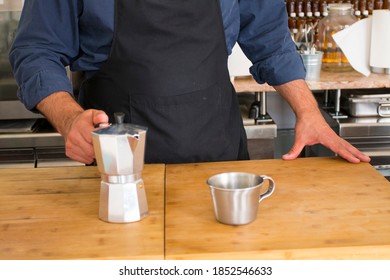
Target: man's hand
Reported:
[(73, 123), (314, 130), (78, 139), (311, 128)]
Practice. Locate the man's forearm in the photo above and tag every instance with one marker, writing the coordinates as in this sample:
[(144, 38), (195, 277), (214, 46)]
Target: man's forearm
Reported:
[(299, 97), (60, 109), (311, 127)]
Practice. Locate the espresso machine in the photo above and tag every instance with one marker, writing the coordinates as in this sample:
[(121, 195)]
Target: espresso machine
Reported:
[(119, 150)]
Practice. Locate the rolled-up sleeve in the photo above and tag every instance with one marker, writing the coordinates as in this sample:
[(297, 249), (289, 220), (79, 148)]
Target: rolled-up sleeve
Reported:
[(45, 42), (266, 41)]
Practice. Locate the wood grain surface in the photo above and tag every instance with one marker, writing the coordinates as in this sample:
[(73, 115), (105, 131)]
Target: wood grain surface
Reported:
[(52, 213), (322, 208), (328, 80)]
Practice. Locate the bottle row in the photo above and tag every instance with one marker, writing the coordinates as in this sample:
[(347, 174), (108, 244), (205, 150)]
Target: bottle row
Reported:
[(320, 6), (315, 34), (307, 13)]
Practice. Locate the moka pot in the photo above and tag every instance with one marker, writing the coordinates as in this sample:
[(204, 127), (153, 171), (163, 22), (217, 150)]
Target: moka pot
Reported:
[(119, 151)]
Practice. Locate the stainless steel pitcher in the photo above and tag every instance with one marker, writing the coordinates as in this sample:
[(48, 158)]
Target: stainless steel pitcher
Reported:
[(236, 196), (119, 151)]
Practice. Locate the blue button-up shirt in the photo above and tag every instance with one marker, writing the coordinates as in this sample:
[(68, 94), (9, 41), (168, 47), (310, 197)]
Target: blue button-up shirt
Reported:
[(78, 33)]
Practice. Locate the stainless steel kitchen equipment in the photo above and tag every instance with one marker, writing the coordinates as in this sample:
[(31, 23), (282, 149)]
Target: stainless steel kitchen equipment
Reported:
[(236, 196), (365, 123), (119, 151), (10, 11), (26, 138), (362, 103), (10, 106), (260, 128)]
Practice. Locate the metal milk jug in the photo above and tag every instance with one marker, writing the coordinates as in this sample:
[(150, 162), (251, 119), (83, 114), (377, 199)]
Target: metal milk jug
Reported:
[(119, 151)]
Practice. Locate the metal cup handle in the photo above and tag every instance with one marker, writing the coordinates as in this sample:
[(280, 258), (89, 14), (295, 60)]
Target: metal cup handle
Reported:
[(271, 187)]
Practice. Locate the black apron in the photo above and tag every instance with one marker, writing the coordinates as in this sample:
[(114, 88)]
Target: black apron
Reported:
[(167, 70)]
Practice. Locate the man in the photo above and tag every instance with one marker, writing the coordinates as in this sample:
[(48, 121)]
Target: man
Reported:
[(164, 64)]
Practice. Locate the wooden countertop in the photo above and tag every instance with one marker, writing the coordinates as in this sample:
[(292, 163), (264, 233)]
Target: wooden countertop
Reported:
[(322, 208), (52, 213), (328, 80)]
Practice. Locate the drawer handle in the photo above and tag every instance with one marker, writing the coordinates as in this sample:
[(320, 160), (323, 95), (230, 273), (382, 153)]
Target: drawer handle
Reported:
[(384, 107)]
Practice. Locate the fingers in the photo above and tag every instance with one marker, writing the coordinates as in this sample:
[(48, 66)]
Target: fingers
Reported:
[(338, 145), (78, 142), (79, 146), (99, 117), (80, 154), (294, 152), (313, 131), (345, 150)]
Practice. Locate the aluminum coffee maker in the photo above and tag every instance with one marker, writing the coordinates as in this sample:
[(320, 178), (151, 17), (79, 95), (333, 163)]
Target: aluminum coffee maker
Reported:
[(119, 151)]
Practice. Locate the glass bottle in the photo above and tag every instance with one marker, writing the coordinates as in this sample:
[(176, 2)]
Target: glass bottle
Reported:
[(365, 14), (323, 6), (355, 5), (293, 26), (378, 5), (315, 6), (310, 31), (301, 22), (370, 6), (298, 6), (362, 5), (317, 17), (309, 18), (340, 17), (290, 5), (316, 20), (300, 36), (307, 6), (386, 5), (358, 14)]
